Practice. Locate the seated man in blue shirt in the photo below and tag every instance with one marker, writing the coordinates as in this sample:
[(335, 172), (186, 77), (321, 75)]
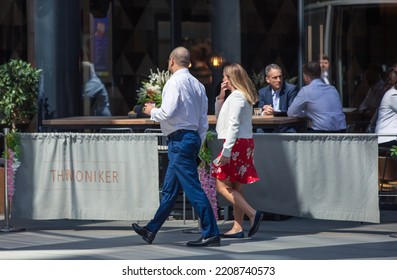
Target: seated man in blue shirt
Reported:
[(318, 102)]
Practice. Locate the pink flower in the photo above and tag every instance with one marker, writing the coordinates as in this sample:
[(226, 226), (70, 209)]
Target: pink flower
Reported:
[(12, 166), (208, 185)]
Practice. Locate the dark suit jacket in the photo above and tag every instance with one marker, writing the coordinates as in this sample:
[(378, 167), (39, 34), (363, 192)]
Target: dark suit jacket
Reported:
[(287, 94)]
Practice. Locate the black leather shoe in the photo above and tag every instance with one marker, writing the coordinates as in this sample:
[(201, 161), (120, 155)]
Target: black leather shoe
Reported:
[(147, 235), (205, 242), (258, 218), (239, 234)]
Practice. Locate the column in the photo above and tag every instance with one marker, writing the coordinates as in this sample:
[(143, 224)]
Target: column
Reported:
[(226, 40), (57, 50)]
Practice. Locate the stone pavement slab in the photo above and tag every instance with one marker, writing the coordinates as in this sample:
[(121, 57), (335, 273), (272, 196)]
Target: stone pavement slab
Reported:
[(290, 239)]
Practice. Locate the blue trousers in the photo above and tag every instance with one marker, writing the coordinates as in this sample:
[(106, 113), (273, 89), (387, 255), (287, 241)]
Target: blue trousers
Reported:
[(183, 149)]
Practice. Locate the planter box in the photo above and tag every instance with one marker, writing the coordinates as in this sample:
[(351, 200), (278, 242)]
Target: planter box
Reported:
[(391, 169)]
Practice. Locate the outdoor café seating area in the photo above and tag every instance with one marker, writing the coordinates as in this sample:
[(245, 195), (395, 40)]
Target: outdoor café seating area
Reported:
[(75, 171)]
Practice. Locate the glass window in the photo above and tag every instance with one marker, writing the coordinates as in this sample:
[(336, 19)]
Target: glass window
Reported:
[(358, 38)]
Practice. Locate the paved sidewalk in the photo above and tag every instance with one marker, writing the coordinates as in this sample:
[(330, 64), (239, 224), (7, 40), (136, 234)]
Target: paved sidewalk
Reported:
[(291, 239)]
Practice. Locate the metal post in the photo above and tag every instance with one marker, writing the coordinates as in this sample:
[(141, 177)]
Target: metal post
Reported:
[(184, 208), (197, 230), (7, 227), (6, 216), (301, 49)]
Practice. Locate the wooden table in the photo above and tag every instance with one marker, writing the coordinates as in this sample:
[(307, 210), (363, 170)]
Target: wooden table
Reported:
[(96, 123), (140, 124)]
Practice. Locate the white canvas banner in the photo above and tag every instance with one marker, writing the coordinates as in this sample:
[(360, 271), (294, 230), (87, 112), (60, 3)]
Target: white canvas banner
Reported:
[(320, 176), (87, 176)]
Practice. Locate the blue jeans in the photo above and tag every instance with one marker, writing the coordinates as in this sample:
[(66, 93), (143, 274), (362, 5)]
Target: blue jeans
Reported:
[(183, 149)]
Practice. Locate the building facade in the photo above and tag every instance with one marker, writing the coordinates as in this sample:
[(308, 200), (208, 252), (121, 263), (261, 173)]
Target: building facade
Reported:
[(124, 39)]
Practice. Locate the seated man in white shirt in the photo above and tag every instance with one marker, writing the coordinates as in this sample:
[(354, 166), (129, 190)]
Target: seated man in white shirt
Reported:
[(324, 64)]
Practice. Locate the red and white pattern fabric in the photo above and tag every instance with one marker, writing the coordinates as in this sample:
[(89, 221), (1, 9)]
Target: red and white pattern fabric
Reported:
[(241, 166)]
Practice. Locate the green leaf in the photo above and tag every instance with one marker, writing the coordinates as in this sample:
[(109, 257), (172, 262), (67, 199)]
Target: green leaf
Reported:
[(205, 153), (18, 92), (393, 151)]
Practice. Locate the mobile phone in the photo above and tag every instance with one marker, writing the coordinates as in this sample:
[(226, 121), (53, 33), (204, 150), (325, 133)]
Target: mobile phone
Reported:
[(227, 93), (217, 161)]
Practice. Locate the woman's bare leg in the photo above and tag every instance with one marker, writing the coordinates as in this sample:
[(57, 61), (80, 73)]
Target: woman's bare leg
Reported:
[(238, 220), (233, 193)]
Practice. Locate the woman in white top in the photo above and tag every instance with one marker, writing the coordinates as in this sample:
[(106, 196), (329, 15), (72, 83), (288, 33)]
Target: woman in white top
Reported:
[(387, 113), (234, 165)]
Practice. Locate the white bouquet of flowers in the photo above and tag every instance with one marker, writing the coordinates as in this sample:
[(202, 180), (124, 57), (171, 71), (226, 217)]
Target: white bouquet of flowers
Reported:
[(152, 88)]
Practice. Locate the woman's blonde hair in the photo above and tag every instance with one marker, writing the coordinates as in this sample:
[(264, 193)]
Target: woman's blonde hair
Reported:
[(239, 79)]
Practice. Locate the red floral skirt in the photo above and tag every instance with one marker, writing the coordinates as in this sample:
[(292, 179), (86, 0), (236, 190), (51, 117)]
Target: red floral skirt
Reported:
[(241, 166)]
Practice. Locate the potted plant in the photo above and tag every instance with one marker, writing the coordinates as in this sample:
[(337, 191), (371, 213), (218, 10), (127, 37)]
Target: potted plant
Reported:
[(18, 92), (18, 104), (208, 183)]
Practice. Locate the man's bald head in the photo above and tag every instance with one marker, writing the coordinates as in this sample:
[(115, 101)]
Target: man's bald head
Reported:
[(181, 56)]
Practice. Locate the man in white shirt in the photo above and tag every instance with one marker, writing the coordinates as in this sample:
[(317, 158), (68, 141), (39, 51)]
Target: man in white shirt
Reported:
[(324, 64), (183, 119)]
